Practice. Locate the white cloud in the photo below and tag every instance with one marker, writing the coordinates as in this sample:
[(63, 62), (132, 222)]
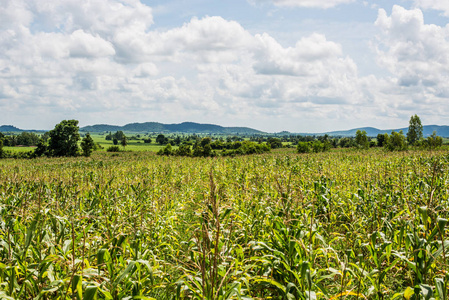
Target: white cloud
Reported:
[(305, 3), (98, 56), (86, 45), (417, 56), (441, 5), (91, 59), (309, 56), (416, 53)]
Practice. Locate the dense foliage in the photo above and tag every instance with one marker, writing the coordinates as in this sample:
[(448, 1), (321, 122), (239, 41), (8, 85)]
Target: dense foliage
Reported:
[(205, 148), (22, 139), (359, 224)]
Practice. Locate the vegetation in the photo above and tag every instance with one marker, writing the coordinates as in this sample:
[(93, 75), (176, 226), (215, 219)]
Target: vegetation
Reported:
[(113, 149), (22, 139), (396, 141), (358, 224), (315, 146), (87, 145), (205, 148), (414, 133), (361, 139), (64, 139), (433, 142)]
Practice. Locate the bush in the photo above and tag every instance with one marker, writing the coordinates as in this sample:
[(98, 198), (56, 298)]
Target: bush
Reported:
[(433, 141), (396, 142), (167, 150), (113, 149), (183, 150), (303, 147)]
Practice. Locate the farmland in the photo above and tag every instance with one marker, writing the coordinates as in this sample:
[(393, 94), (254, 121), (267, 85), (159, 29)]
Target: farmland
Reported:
[(346, 223)]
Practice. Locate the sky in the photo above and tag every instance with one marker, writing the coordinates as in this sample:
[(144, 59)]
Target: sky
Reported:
[(272, 65)]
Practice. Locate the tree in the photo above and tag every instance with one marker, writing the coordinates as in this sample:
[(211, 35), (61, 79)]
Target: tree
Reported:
[(87, 145), (346, 142), (161, 139), (274, 143), (1, 148), (205, 141), (41, 148), (433, 141), (381, 139), (303, 147), (396, 141), (115, 141), (415, 128), (184, 150), (64, 139), (124, 141), (361, 139)]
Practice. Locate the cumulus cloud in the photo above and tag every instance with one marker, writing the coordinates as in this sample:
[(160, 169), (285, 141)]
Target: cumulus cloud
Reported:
[(415, 52), (309, 56), (305, 3), (102, 56), (434, 4), (86, 45), (93, 56), (417, 56)]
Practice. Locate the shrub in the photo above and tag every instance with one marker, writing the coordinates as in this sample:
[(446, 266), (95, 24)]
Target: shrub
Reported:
[(396, 142), (113, 149), (303, 147)]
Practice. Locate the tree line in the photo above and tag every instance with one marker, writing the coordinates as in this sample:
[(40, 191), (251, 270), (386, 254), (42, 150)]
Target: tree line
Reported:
[(206, 148), (396, 141), (64, 140), (60, 141)]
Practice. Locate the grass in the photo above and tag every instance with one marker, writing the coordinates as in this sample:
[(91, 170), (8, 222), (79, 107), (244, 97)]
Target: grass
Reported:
[(344, 224), (19, 149)]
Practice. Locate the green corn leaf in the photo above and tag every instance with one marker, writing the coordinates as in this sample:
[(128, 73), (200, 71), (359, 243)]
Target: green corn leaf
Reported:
[(129, 270), (441, 288), (90, 293)]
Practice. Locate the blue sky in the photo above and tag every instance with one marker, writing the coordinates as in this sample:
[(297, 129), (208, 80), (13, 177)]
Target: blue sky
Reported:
[(273, 65)]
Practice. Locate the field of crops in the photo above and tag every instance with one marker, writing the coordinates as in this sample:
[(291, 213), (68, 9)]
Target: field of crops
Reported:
[(354, 224)]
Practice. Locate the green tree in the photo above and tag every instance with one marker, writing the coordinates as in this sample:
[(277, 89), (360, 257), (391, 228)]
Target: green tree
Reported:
[(274, 143), (396, 141), (303, 147), (433, 141), (87, 145), (161, 139), (205, 141), (414, 133), (381, 139), (41, 148), (361, 139), (318, 146), (1, 148), (64, 139), (346, 142), (184, 150), (119, 135), (167, 150), (124, 141)]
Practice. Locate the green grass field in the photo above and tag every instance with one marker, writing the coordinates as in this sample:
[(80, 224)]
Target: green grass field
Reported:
[(134, 225)]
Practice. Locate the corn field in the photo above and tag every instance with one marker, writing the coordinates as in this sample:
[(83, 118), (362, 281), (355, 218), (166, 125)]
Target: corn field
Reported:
[(349, 225)]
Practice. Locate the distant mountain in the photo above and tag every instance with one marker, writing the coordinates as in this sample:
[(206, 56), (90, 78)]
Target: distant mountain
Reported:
[(442, 131), (9, 128), (191, 127), (186, 127)]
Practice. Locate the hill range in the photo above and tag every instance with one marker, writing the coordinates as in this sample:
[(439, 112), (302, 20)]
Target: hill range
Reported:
[(191, 127)]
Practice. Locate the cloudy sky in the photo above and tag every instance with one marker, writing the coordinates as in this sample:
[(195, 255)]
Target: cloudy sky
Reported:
[(273, 65)]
